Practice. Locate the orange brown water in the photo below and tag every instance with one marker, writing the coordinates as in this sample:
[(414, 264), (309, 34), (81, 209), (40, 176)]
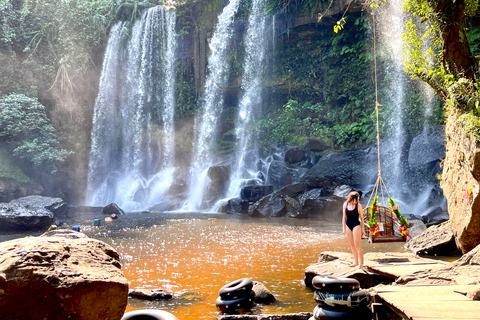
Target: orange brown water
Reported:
[(194, 258)]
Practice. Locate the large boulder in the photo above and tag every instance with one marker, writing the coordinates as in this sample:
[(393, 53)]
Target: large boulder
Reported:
[(236, 205), (255, 193), (55, 205), (428, 146), (219, 178), (279, 174), (31, 213), (318, 203), (67, 276), (293, 190), (435, 216), (461, 170), (294, 155), (178, 188), (341, 168), (21, 218), (436, 240), (113, 208), (272, 205)]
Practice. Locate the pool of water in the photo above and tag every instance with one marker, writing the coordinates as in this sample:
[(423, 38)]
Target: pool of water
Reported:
[(194, 257)]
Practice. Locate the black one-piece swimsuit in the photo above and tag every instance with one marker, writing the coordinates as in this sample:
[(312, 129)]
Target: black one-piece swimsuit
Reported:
[(352, 217)]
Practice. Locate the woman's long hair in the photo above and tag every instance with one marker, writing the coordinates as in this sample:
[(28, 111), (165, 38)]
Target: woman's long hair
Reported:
[(352, 196)]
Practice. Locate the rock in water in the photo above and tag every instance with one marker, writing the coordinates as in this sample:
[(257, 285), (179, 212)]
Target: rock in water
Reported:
[(112, 208), (31, 213), (61, 275), (436, 240)]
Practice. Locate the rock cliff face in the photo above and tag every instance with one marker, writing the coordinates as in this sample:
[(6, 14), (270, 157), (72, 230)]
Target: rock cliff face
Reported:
[(460, 184)]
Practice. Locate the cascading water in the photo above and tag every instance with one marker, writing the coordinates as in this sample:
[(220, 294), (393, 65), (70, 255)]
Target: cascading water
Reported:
[(390, 26), (257, 41), (206, 121), (400, 166), (128, 164)]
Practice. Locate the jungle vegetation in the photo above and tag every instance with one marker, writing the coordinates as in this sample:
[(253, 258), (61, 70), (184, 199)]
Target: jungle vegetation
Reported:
[(51, 54)]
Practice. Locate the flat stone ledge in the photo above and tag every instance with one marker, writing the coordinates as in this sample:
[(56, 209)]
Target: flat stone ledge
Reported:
[(379, 268)]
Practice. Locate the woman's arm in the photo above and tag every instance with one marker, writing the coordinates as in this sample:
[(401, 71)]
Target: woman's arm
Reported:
[(360, 213), (344, 218)]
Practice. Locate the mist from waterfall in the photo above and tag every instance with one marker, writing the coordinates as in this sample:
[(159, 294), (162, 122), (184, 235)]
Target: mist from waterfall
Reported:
[(206, 121), (132, 152), (258, 40)]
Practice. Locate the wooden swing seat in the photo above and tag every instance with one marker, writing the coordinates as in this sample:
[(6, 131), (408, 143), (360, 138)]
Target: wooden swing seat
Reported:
[(385, 220)]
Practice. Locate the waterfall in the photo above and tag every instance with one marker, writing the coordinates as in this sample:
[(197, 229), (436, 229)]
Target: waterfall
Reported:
[(128, 163), (257, 42), (408, 177), (390, 29), (207, 120)]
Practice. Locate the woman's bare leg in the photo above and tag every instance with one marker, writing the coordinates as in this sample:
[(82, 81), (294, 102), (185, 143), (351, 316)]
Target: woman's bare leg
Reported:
[(357, 242), (351, 240)]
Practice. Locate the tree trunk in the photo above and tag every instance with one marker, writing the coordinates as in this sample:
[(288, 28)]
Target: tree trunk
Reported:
[(457, 56)]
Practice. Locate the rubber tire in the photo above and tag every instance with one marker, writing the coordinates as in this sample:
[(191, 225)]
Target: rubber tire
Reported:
[(335, 284), (148, 314), (231, 306), (236, 289), (329, 313), (320, 313), (358, 299)]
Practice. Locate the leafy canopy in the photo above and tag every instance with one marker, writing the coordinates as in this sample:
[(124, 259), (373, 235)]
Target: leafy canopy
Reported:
[(426, 45), (27, 130)]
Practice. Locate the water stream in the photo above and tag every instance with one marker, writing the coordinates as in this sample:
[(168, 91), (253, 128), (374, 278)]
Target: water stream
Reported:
[(206, 122), (390, 22), (257, 42), (131, 158)]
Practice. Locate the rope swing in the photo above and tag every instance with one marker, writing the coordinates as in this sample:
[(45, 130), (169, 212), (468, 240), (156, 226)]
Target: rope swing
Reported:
[(379, 184), (382, 220)]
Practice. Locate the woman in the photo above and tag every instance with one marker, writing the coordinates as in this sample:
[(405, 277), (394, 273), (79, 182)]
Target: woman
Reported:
[(353, 226)]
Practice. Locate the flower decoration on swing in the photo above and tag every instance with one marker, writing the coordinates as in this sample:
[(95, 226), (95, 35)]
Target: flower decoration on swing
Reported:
[(402, 221), (372, 222)]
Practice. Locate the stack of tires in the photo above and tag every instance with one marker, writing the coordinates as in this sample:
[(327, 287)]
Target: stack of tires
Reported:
[(236, 296), (340, 298)]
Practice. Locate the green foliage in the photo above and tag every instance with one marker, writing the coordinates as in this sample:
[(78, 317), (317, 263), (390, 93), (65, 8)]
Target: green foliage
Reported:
[(473, 37), (27, 130), (372, 221), (292, 6), (41, 39), (423, 52), (185, 93), (7, 21), (331, 72), (423, 42), (297, 122), (10, 169)]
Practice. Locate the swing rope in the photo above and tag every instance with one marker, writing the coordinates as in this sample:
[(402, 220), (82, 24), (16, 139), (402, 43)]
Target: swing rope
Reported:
[(379, 184)]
